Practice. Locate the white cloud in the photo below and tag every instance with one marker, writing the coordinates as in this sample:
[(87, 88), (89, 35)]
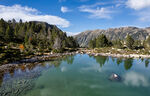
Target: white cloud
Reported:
[(30, 14), (93, 5), (65, 9), (71, 33), (135, 79), (102, 13), (142, 9), (138, 4)]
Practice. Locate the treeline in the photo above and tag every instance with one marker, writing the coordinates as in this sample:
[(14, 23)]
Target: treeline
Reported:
[(34, 36), (129, 42)]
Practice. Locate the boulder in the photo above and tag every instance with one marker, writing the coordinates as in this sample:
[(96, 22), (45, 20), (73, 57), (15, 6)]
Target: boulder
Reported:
[(115, 77)]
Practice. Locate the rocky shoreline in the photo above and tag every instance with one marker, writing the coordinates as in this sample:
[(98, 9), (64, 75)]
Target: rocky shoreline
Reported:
[(55, 56), (35, 60), (42, 58), (117, 55), (120, 55)]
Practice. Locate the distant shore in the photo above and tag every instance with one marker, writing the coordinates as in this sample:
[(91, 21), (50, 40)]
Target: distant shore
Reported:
[(117, 55), (120, 55)]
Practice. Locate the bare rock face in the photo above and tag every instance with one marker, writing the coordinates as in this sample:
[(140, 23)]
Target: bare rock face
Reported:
[(57, 43), (112, 33)]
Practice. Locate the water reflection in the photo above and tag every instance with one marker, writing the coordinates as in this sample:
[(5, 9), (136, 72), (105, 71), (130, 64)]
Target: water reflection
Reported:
[(128, 63), (69, 59), (135, 79), (17, 78), (56, 63), (119, 61), (101, 60), (27, 67), (146, 63)]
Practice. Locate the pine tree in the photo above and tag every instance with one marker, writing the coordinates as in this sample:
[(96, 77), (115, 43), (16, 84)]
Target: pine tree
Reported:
[(102, 41), (9, 34), (117, 44), (20, 21), (137, 43), (92, 43), (2, 28), (129, 42), (16, 30), (13, 23), (22, 31)]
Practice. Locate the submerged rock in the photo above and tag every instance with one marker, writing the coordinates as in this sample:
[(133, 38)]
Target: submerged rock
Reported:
[(115, 77)]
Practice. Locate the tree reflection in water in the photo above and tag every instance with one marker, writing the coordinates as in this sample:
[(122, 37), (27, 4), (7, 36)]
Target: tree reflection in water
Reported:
[(69, 59), (119, 61), (55, 63), (101, 60), (146, 62), (128, 63)]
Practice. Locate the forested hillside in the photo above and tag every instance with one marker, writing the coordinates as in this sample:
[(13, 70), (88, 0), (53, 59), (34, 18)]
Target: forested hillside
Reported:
[(32, 37)]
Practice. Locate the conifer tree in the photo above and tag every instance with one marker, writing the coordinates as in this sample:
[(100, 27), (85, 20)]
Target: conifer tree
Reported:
[(9, 34), (92, 43), (2, 28), (117, 44), (102, 41), (129, 42)]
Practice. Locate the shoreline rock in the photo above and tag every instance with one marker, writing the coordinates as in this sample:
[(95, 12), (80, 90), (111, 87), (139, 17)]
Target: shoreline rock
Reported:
[(120, 55), (33, 60)]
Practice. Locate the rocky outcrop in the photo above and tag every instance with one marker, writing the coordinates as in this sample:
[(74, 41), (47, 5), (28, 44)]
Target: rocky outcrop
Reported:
[(112, 33)]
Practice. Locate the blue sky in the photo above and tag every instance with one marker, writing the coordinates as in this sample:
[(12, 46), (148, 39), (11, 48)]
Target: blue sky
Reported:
[(74, 16)]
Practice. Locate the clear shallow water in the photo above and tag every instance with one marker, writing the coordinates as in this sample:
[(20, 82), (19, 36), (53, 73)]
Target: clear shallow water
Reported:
[(80, 75)]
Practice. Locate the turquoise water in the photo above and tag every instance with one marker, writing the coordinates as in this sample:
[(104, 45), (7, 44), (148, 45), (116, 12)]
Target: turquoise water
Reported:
[(81, 75)]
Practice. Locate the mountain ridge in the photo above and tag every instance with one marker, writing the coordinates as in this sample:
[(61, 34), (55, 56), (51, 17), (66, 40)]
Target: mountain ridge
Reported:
[(112, 33)]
